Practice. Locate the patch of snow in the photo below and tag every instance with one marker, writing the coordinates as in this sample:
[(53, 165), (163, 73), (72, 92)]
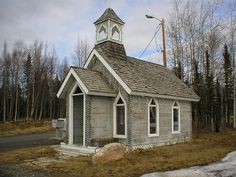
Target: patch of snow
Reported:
[(225, 168)]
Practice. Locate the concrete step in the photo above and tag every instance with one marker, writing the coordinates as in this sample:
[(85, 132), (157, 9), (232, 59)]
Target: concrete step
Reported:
[(71, 150)]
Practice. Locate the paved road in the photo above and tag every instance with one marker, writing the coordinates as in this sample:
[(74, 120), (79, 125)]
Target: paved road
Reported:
[(23, 141)]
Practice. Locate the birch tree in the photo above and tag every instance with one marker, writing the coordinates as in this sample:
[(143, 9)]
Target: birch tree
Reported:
[(81, 52)]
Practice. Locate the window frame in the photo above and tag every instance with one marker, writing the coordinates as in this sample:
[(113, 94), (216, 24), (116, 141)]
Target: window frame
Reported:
[(106, 33), (157, 118), (115, 105), (178, 108), (119, 33)]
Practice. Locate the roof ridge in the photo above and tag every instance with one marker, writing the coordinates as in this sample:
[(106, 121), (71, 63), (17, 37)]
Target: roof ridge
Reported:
[(109, 14)]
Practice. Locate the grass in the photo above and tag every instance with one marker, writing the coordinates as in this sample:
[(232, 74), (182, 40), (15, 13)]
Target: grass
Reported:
[(18, 156), (24, 127), (205, 148)]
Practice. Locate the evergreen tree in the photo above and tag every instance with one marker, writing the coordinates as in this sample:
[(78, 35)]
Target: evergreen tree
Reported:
[(228, 80)]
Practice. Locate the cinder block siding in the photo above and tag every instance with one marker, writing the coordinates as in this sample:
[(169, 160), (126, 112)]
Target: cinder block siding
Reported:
[(87, 120), (139, 114), (101, 121), (96, 65)]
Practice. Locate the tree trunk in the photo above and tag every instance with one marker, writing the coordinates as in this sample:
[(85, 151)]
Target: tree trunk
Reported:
[(4, 103)]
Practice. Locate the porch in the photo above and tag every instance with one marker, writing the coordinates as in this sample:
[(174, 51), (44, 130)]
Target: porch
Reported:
[(75, 150)]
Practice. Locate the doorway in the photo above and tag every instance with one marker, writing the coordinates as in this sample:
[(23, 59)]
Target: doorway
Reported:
[(78, 119)]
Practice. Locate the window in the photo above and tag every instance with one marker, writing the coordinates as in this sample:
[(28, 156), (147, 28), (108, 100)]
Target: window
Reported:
[(115, 33), (175, 117), (78, 91), (102, 33), (119, 118), (153, 118)]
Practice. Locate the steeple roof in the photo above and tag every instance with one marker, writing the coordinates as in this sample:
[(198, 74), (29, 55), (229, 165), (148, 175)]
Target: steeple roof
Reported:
[(109, 14)]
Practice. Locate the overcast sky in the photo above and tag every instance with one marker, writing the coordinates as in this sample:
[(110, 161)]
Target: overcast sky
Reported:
[(60, 22)]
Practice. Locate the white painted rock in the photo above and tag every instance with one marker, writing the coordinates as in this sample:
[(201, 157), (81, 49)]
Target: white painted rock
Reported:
[(110, 152)]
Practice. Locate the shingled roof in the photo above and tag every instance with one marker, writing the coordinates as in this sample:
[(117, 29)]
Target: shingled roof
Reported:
[(142, 76), (94, 80), (109, 14)]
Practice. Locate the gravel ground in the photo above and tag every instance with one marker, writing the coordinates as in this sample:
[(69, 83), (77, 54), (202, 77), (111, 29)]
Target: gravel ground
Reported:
[(13, 170)]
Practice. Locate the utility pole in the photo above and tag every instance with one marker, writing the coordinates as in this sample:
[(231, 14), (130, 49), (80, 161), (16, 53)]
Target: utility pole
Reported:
[(163, 37), (163, 41)]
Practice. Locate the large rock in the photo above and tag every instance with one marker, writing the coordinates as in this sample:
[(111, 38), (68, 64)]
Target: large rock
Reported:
[(109, 152)]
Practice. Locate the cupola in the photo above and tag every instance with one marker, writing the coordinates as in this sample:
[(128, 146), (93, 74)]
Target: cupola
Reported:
[(109, 27)]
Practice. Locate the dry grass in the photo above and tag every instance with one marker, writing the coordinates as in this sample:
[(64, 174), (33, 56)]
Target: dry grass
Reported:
[(203, 149), (24, 127), (18, 156)]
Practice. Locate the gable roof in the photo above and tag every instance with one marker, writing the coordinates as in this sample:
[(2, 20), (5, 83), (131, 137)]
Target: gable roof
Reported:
[(91, 82), (109, 14), (143, 77)]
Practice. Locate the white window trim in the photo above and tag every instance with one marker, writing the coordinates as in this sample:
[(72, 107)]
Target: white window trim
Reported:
[(114, 116), (175, 107), (119, 33), (76, 85), (157, 117), (98, 33)]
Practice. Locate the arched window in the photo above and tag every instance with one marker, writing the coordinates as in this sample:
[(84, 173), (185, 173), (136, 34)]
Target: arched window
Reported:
[(102, 33), (175, 117), (115, 33), (119, 120), (153, 118)]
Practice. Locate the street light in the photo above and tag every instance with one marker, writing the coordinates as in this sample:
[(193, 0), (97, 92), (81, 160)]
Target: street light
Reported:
[(163, 36)]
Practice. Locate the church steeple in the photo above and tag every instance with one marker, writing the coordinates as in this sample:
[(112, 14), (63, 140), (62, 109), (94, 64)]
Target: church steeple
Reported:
[(109, 27)]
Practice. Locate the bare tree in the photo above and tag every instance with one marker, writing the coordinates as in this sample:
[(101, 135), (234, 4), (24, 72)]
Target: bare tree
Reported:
[(5, 76), (81, 52)]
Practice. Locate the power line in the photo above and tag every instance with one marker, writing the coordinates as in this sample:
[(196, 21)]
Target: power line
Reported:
[(157, 29)]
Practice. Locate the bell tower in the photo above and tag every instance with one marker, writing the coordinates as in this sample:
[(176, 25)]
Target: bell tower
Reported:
[(109, 27)]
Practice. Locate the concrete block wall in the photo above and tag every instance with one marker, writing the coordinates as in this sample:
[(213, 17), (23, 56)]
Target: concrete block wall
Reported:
[(96, 65), (139, 116), (101, 120)]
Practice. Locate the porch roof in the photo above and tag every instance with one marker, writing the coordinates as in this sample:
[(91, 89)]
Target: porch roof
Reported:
[(91, 83), (94, 80)]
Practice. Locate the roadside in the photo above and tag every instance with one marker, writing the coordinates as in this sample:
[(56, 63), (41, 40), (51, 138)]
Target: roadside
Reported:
[(24, 141), (204, 149), (24, 127)]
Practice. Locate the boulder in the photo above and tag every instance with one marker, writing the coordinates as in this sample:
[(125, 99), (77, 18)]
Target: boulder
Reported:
[(110, 152)]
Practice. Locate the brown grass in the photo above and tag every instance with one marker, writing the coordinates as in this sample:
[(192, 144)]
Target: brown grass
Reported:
[(18, 156), (24, 127), (205, 148)]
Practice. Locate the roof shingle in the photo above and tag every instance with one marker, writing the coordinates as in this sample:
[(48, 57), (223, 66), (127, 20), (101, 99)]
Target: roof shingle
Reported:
[(109, 14), (143, 76), (94, 80)]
